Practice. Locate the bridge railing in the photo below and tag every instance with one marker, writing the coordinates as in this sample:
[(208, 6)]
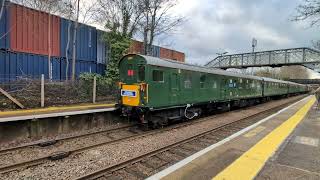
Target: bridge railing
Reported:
[(267, 58)]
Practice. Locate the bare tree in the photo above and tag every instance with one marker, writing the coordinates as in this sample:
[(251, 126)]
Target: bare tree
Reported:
[(316, 44), (2, 8), (74, 43), (268, 72), (49, 6), (309, 10), (157, 20), (294, 72), (119, 15)]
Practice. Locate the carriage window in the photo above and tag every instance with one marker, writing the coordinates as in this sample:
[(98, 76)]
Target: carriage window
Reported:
[(214, 86), (240, 81), (202, 81), (141, 73), (157, 76), (231, 85), (187, 82), (253, 84)]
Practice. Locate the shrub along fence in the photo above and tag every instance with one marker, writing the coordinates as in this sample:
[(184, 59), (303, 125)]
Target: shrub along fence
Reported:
[(38, 92)]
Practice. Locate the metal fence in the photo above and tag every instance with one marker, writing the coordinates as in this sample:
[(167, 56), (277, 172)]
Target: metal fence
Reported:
[(29, 92)]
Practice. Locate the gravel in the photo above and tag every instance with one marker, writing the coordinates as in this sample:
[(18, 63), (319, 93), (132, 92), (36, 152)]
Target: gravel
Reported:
[(33, 152), (104, 156)]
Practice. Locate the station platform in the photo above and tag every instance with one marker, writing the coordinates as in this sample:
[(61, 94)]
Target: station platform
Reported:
[(284, 145), (19, 115)]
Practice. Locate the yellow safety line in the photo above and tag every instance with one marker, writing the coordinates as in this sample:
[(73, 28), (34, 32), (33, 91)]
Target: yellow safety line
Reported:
[(251, 162), (50, 109)]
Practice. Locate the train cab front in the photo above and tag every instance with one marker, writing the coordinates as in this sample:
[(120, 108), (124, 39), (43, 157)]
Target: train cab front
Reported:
[(133, 88)]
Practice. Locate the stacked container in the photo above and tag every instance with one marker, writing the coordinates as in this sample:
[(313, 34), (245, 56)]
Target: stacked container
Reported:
[(102, 48), (86, 41), (136, 47), (33, 31), (30, 39), (4, 26), (16, 64), (172, 54)]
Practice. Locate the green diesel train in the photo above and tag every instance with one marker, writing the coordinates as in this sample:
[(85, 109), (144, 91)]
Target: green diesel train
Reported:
[(157, 91)]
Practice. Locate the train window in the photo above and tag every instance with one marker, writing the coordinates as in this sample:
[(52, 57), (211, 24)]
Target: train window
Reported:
[(157, 76), (253, 84), (187, 84), (202, 81), (214, 86), (240, 81), (141, 73)]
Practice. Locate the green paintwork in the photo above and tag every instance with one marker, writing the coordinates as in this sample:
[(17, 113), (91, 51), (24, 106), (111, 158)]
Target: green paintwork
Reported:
[(174, 91)]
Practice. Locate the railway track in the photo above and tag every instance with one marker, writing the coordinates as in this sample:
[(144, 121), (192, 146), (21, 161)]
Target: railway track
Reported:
[(49, 143), (131, 136), (149, 163), (54, 141)]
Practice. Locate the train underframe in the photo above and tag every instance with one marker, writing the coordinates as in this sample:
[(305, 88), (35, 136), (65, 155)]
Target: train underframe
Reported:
[(165, 116)]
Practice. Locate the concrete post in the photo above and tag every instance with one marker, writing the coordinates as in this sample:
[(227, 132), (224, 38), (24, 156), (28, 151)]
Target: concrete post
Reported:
[(94, 90), (42, 90)]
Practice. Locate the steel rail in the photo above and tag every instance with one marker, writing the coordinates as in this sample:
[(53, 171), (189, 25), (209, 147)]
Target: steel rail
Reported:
[(108, 170), (66, 153)]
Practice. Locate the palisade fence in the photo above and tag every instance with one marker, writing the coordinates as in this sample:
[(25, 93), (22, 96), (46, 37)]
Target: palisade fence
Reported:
[(40, 92)]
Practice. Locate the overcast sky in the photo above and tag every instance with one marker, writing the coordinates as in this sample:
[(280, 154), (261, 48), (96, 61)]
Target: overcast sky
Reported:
[(229, 25)]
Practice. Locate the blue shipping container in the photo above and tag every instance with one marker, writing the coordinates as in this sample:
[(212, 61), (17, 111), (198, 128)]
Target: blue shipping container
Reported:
[(56, 68), (81, 67), (4, 26), (15, 65), (101, 69), (63, 67), (102, 49), (86, 42), (3, 72), (155, 51), (26, 65)]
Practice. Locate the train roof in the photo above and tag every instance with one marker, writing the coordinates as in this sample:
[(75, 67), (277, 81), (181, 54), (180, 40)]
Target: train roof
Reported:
[(280, 81), (178, 65)]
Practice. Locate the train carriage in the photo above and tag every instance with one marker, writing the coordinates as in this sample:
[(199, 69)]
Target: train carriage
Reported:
[(155, 90)]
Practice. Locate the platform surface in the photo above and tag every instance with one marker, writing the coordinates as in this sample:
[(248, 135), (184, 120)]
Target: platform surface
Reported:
[(17, 115), (282, 146)]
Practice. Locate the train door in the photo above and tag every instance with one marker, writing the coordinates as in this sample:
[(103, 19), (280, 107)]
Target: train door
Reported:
[(224, 88), (174, 88)]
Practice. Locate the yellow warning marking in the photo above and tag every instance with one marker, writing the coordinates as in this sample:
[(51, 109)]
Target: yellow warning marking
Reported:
[(131, 101), (254, 131), (250, 163), (52, 109)]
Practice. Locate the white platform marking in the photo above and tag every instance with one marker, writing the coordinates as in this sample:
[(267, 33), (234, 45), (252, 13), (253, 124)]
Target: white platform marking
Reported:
[(187, 160), (307, 141)]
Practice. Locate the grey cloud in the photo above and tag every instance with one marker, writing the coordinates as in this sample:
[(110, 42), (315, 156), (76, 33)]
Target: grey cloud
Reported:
[(217, 25)]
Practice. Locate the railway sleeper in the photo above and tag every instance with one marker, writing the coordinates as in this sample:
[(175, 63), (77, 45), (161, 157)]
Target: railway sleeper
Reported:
[(59, 155), (136, 173), (47, 143)]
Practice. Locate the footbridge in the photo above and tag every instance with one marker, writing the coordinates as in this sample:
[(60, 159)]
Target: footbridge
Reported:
[(310, 58)]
